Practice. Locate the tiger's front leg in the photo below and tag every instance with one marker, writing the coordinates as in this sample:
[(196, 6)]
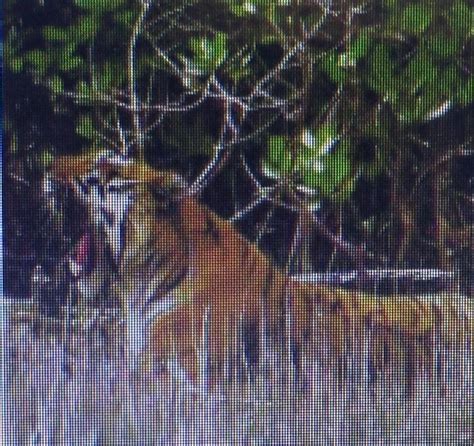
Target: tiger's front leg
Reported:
[(177, 336), (199, 340)]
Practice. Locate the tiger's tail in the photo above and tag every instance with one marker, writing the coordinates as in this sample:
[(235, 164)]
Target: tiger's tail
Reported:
[(398, 332)]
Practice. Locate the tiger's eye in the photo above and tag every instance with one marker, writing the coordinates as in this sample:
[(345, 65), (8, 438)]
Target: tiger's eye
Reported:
[(90, 182), (160, 195)]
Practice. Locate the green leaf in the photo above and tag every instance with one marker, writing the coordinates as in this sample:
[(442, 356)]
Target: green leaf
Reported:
[(100, 6), (85, 127), (416, 18), (219, 48), (45, 158), (444, 46), (381, 69), (337, 168), (421, 107), (84, 30), (357, 49), (39, 59), (390, 4), (326, 175), (126, 18), (239, 68), (243, 8), (326, 136), (418, 71), (278, 154), (85, 90), (465, 93), (56, 84), (332, 67), (449, 79), (70, 63), (209, 53), (15, 64), (55, 34), (111, 75), (461, 18)]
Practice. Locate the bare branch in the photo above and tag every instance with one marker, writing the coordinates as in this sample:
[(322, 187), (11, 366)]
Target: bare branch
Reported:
[(122, 140), (249, 208), (171, 14), (461, 150), (249, 173), (162, 54), (218, 161), (228, 137), (173, 107), (355, 252), (132, 84), (260, 130), (292, 52), (18, 179)]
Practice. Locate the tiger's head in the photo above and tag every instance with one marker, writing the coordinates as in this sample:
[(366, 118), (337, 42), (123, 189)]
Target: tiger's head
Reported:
[(130, 239), (106, 185)]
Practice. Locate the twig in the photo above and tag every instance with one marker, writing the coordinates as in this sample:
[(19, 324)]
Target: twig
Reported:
[(171, 13), (249, 173), (293, 51), (243, 212), (220, 158), (122, 140), (229, 127), (132, 84), (19, 179), (458, 151), (228, 137)]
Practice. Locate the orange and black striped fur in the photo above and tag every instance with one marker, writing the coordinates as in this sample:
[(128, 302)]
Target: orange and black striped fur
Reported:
[(180, 267)]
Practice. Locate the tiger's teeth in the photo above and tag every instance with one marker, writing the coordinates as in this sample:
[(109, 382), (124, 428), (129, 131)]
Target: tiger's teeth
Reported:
[(75, 267)]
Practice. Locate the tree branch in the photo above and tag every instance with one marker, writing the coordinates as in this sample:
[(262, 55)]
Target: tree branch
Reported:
[(132, 83)]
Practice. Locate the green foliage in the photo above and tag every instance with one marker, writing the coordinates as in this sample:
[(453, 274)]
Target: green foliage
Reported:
[(209, 53), (414, 59), (319, 161), (187, 137), (416, 18), (85, 127)]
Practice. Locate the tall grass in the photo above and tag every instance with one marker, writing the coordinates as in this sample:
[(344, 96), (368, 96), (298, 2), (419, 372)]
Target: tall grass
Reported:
[(74, 388)]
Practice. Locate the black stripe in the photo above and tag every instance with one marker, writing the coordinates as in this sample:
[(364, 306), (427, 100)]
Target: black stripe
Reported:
[(211, 230), (168, 285), (268, 281)]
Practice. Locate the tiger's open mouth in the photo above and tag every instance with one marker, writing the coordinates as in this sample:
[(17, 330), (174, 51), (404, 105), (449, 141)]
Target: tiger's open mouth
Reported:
[(89, 212), (92, 203), (81, 259), (66, 224)]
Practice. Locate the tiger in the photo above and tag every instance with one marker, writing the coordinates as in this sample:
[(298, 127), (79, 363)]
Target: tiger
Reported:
[(186, 277)]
